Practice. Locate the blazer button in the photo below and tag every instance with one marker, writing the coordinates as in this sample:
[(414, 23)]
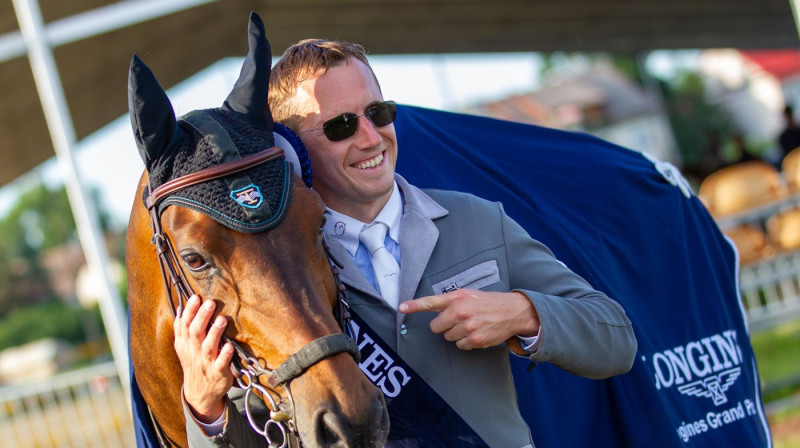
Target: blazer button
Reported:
[(403, 329)]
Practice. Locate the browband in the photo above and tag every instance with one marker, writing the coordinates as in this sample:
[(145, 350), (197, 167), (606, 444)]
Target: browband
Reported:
[(211, 173)]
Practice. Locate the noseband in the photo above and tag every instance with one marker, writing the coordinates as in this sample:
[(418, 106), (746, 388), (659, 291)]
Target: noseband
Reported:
[(244, 366)]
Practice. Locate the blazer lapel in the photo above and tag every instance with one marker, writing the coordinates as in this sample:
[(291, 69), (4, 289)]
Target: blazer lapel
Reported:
[(418, 236)]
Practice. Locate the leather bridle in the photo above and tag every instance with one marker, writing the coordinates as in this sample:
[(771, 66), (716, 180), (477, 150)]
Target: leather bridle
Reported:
[(244, 366)]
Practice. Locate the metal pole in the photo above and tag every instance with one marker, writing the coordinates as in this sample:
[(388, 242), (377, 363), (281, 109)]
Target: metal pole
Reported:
[(62, 132), (796, 13)]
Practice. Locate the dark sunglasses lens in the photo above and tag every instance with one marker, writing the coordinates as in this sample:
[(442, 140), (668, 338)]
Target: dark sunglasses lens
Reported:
[(341, 127), (383, 114), (344, 126)]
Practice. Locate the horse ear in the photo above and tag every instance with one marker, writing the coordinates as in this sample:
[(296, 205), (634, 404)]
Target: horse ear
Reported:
[(152, 117), (249, 95)]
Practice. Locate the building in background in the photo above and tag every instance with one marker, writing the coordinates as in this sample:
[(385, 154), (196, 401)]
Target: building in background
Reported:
[(601, 101)]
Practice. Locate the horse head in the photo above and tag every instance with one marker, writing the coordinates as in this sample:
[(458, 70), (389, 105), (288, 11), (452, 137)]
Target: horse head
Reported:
[(231, 222)]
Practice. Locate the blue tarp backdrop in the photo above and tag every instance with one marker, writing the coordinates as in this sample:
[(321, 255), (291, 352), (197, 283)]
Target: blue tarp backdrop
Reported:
[(622, 222)]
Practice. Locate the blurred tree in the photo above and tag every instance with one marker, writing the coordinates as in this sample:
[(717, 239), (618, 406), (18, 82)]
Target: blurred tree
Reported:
[(40, 219), (21, 237), (701, 129), (565, 65), (52, 319)]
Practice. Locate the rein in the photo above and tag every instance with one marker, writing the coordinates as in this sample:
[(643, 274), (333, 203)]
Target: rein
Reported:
[(245, 367)]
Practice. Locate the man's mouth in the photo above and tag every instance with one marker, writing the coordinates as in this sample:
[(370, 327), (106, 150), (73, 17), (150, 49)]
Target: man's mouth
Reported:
[(371, 163)]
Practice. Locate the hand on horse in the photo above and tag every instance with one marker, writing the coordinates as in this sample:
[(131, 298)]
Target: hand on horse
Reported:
[(206, 375), (478, 319)]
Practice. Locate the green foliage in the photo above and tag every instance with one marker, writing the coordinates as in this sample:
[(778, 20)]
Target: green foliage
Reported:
[(40, 219), (53, 319), (566, 64), (777, 351), (778, 359), (629, 65), (701, 129)]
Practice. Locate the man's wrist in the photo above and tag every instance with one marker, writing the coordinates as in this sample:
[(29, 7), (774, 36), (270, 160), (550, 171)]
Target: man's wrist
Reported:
[(214, 428), (528, 326), (206, 414), (211, 427)]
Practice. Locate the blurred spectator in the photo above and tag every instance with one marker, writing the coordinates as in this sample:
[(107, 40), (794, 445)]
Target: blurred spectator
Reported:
[(789, 138)]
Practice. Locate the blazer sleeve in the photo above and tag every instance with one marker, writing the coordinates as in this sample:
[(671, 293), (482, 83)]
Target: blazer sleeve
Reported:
[(583, 331), (237, 431)]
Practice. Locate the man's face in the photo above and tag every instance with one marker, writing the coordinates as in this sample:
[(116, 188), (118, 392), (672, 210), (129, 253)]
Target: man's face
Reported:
[(354, 176)]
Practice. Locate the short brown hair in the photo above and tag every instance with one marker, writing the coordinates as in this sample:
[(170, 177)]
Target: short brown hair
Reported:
[(300, 62)]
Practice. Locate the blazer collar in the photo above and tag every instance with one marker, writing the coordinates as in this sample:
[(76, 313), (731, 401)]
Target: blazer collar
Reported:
[(417, 201)]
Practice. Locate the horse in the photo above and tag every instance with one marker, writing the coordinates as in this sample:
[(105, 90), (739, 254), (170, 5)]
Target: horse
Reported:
[(230, 221)]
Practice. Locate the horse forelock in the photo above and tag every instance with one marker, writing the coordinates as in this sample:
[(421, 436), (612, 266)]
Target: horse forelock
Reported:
[(251, 201)]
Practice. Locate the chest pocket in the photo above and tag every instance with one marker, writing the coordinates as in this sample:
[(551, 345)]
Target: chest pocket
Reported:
[(476, 277)]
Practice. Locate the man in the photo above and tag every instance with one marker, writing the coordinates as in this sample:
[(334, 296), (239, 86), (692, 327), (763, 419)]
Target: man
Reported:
[(472, 283), (789, 137)]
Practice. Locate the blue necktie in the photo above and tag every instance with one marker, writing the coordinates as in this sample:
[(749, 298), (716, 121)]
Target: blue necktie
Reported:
[(387, 271)]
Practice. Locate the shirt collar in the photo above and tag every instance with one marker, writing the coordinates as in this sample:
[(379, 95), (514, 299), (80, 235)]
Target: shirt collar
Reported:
[(346, 229)]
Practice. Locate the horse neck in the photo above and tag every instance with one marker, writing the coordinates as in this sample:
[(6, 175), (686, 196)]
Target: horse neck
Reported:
[(157, 369)]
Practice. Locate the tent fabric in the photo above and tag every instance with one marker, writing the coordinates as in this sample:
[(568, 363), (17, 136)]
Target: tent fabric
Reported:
[(629, 225), (639, 236)]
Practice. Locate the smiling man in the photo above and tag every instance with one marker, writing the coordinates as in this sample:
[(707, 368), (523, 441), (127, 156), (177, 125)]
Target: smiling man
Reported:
[(446, 279), (354, 174)]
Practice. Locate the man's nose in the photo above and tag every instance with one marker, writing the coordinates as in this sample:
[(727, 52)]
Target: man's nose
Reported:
[(367, 133)]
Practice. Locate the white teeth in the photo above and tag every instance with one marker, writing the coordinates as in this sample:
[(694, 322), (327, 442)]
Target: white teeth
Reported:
[(370, 163)]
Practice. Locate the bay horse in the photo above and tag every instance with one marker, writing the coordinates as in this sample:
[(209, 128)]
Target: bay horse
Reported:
[(231, 222)]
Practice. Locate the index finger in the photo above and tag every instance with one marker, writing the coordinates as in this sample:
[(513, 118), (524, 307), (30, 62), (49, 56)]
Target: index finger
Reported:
[(427, 303)]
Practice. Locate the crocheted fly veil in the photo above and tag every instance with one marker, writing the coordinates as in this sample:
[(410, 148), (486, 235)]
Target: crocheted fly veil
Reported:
[(249, 201)]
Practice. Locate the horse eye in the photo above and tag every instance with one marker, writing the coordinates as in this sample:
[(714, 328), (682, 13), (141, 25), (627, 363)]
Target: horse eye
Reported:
[(195, 261)]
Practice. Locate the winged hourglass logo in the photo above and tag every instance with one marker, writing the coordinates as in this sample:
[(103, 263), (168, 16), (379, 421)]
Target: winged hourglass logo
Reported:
[(713, 387)]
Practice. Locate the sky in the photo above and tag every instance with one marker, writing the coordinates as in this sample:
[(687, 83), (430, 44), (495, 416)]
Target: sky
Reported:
[(109, 161)]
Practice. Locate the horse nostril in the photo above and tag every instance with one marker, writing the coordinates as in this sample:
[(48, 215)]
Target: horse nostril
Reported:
[(330, 430), (333, 430)]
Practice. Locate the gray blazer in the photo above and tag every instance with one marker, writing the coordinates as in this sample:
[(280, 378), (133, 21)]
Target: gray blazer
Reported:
[(463, 241)]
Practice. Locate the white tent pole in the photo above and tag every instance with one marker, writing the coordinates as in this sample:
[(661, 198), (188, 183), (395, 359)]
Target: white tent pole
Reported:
[(62, 132), (796, 13)]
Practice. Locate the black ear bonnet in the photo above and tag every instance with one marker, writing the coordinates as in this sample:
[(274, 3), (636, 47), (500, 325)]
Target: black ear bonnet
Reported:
[(250, 201), (253, 200)]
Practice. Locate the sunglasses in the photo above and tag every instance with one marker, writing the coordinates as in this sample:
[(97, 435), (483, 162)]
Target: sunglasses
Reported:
[(345, 125)]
